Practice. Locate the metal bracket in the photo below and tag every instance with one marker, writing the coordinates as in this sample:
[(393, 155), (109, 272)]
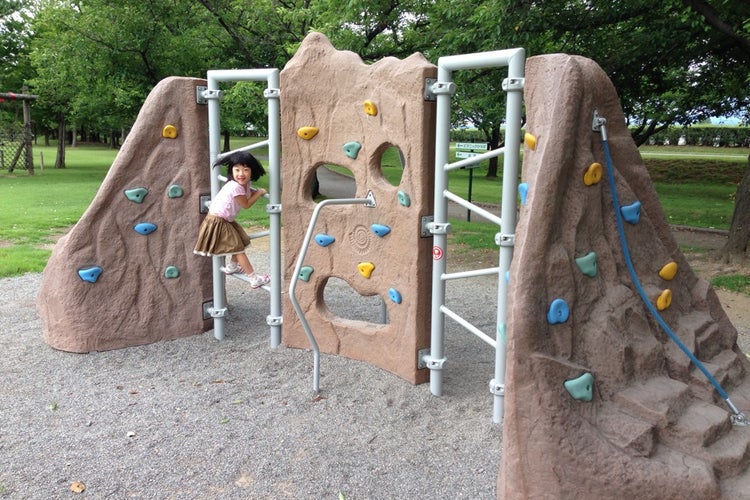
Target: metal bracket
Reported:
[(422, 355), (370, 200), (427, 361), (424, 229), (439, 88), (439, 228), (217, 313), (598, 121), (211, 94), (204, 202), (199, 98), (429, 95), (207, 306), (272, 93), (497, 389), (273, 208), (505, 240), (513, 84), (273, 320)]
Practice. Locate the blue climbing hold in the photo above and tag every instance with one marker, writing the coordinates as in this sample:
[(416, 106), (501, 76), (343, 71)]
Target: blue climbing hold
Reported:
[(305, 273), (403, 199), (136, 194), (380, 229), (523, 191), (558, 312), (631, 213), (90, 274), (324, 239), (351, 149), (175, 191), (394, 295), (581, 388), (587, 264), (144, 228)]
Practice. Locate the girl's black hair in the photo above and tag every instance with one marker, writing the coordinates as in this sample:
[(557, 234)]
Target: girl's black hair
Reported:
[(242, 158)]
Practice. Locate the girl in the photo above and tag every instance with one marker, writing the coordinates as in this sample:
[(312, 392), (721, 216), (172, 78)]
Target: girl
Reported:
[(219, 233)]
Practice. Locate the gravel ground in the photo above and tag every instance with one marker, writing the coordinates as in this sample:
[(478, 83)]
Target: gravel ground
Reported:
[(201, 418)]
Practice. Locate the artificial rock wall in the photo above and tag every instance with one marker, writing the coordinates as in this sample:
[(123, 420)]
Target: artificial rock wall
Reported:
[(125, 274), (336, 110), (600, 403)]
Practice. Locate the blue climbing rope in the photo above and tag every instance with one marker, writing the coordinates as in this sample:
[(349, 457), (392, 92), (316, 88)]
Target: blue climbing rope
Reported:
[(599, 124)]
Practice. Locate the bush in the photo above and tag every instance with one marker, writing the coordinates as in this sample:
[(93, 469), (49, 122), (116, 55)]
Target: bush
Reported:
[(703, 135)]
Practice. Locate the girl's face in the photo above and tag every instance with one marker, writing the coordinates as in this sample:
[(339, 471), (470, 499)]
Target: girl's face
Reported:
[(241, 174)]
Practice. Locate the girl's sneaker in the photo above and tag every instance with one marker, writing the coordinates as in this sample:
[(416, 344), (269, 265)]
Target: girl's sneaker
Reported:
[(257, 281), (233, 268)]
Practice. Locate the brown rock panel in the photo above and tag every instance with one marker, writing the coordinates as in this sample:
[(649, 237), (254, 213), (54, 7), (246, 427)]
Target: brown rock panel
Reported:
[(327, 89), (133, 302)]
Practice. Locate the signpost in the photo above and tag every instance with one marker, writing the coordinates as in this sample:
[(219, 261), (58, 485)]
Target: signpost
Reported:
[(473, 147)]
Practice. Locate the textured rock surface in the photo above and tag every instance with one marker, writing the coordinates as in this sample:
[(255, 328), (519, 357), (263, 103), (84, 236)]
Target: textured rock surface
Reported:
[(654, 428), (328, 89), (132, 302)]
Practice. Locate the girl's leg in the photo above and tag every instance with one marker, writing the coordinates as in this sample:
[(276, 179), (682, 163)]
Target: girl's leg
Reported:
[(242, 260)]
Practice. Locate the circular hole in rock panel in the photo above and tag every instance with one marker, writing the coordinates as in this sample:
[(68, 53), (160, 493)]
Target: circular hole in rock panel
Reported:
[(392, 164), (332, 181), (345, 302)]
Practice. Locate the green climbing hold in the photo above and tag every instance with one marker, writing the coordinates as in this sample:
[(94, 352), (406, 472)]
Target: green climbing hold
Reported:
[(136, 194), (305, 272), (587, 264), (581, 388), (171, 272), (175, 191), (403, 199)]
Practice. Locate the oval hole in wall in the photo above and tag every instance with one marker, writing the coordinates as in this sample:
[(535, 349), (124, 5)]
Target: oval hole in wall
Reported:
[(392, 164), (345, 302), (332, 181)]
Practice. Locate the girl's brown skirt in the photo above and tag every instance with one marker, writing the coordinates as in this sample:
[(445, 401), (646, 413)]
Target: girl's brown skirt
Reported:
[(218, 236)]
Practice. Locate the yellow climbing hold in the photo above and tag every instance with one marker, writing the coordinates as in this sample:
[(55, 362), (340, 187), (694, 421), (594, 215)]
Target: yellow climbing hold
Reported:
[(371, 108), (668, 271), (170, 132), (664, 299), (593, 174), (530, 141), (365, 269), (307, 133)]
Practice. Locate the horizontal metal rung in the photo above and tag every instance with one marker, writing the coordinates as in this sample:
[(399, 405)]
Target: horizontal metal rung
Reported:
[(473, 329)]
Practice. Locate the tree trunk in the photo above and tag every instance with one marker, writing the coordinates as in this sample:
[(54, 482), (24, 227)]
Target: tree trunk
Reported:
[(494, 140), (739, 229), (226, 142), (74, 138), (60, 160)]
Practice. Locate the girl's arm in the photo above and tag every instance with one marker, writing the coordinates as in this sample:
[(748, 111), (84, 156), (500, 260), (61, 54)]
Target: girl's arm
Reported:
[(249, 201)]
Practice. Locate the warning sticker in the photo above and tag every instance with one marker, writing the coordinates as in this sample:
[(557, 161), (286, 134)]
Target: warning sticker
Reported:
[(437, 253)]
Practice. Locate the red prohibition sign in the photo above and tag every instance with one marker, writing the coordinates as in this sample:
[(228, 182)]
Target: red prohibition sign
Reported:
[(437, 253)]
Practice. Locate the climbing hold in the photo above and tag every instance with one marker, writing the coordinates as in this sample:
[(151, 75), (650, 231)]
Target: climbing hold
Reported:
[(587, 264), (664, 299), (501, 331), (380, 229), (581, 388), (145, 228), (90, 274), (523, 190), (171, 272), (669, 271), (593, 174), (394, 295), (305, 272), (175, 191), (365, 269), (631, 213), (307, 133), (403, 199), (371, 108), (558, 312), (136, 194), (507, 276), (324, 239), (351, 149), (170, 132), (530, 141)]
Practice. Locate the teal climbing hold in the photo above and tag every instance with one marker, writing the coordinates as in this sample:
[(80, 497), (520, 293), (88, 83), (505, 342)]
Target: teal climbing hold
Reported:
[(144, 228), (351, 149), (581, 388), (403, 199), (136, 194), (631, 213), (587, 264), (394, 295), (380, 229), (175, 191), (90, 274), (305, 272), (558, 312), (324, 239), (502, 332), (171, 272), (523, 191)]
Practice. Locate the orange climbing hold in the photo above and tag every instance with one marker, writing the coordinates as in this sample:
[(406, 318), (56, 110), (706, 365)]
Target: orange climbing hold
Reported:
[(365, 269), (170, 132), (668, 271), (664, 299), (371, 108), (593, 174), (530, 141), (307, 133)]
